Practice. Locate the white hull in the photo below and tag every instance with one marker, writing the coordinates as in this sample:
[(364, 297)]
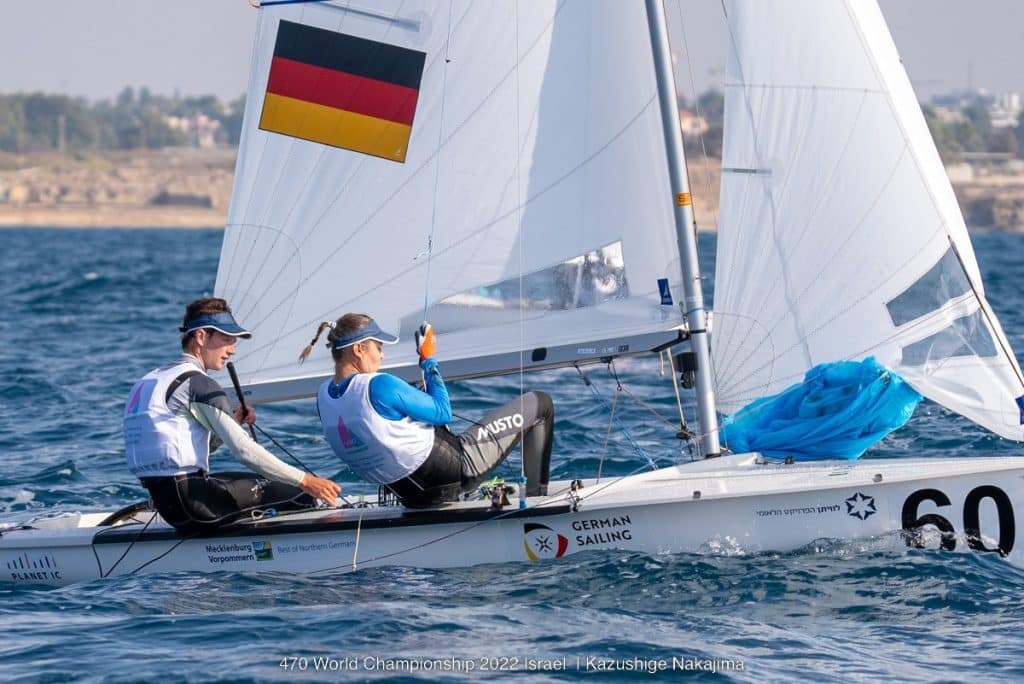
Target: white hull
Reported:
[(735, 504)]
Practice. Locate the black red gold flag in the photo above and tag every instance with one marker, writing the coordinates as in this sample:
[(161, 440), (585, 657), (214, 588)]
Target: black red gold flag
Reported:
[(342, 90)]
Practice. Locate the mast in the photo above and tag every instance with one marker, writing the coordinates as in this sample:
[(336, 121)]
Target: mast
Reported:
[(693, 302)]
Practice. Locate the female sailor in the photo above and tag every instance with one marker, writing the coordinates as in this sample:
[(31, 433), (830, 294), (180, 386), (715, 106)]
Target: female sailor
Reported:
[(394, 434)]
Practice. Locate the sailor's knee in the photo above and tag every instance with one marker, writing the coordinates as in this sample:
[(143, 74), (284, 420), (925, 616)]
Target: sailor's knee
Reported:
[(545, 407)]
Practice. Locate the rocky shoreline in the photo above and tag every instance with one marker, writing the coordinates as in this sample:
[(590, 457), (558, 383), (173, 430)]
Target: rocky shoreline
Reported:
[(191, 188), (179, 188)]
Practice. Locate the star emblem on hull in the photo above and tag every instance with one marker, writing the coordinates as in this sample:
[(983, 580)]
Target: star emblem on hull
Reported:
[(861, 506)]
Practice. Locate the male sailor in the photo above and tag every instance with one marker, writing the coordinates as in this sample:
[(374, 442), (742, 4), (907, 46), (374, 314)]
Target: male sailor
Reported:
[(394, 434), (176, 416)]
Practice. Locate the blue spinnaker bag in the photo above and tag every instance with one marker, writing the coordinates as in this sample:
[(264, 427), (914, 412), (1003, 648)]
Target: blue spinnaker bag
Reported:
[(838, 411)]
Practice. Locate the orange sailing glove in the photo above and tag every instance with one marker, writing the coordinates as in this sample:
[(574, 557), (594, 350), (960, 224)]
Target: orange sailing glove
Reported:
[(426, 346)]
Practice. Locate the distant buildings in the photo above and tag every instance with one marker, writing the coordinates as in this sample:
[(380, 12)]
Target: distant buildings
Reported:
[(691, 124), (1004, 110), (200, 130)]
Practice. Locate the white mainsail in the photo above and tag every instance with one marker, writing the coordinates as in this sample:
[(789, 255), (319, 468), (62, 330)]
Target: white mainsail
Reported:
[(535, 163), (840, 236)]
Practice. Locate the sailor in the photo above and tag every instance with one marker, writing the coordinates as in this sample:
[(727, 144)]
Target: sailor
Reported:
[(176, 416), (394, 434)]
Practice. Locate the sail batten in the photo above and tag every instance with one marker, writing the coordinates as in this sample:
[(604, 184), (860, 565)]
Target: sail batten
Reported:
[(851, 243)]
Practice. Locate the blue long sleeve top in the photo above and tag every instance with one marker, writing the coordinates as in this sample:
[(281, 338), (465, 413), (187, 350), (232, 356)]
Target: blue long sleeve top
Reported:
[(395, 399)]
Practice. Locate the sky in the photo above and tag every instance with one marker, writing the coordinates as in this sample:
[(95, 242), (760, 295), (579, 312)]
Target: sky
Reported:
[(94, 48)]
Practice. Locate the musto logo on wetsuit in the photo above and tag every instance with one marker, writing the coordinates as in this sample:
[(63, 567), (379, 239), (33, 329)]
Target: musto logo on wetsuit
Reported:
[(499, 425)]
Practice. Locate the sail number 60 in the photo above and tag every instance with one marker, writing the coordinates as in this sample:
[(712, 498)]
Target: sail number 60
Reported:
[(972, 519)]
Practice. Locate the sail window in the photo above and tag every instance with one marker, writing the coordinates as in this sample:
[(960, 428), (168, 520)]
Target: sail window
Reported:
[(587, 280), (945, 281), (967, 336)]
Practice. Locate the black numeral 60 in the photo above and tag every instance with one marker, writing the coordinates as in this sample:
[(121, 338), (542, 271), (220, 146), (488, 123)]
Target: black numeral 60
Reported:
[(972, 519)]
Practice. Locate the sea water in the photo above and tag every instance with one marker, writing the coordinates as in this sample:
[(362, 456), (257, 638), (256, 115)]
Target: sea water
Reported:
[(86, 312)]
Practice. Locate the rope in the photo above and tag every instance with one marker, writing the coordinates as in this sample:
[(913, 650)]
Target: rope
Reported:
[(130, 545), (675, 386), (622, 428), (290, 454), (437, 167), (519, 222), (359, 530), (607, 436)]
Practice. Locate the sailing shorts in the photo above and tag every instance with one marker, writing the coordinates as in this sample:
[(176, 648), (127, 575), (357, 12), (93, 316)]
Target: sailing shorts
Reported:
[(198, 503), (459, 463)]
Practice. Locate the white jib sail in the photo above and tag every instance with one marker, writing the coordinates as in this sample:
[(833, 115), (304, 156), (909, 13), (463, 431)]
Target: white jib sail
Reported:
[(840, 237), (535, 161)]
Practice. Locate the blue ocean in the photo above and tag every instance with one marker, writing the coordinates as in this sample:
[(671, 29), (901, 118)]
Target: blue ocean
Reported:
[(86, 312)]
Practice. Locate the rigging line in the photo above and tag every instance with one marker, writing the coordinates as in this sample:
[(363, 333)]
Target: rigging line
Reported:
[(629, 436), (359, 530), (675, 386), (279, 446), (99, 565), (650, 408), (608, 434), (622, 428), (293, 457), (522, 238), (437, 164), (162, 555)]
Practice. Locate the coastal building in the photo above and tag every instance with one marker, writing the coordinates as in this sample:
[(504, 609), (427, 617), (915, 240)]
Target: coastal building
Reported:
[(691, 124), (201, 130), (1004, 110)]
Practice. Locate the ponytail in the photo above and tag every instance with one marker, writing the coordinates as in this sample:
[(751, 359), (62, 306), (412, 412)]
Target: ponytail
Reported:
[(309, 347)]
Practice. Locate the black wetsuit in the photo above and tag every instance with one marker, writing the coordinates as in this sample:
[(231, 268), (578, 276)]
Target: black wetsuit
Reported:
[(199, 502), (459, 463)]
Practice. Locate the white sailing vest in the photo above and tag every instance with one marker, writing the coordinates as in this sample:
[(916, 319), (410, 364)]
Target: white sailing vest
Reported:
[(377, 449), (157, 441)]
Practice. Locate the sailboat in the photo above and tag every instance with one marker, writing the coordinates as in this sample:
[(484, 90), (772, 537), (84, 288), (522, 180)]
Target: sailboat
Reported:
[(513, 172)]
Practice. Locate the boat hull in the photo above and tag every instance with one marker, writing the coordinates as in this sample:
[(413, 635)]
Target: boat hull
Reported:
[(732, 505)]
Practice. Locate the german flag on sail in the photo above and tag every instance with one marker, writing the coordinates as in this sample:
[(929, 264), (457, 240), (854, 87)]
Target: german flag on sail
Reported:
[(341, 90)]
